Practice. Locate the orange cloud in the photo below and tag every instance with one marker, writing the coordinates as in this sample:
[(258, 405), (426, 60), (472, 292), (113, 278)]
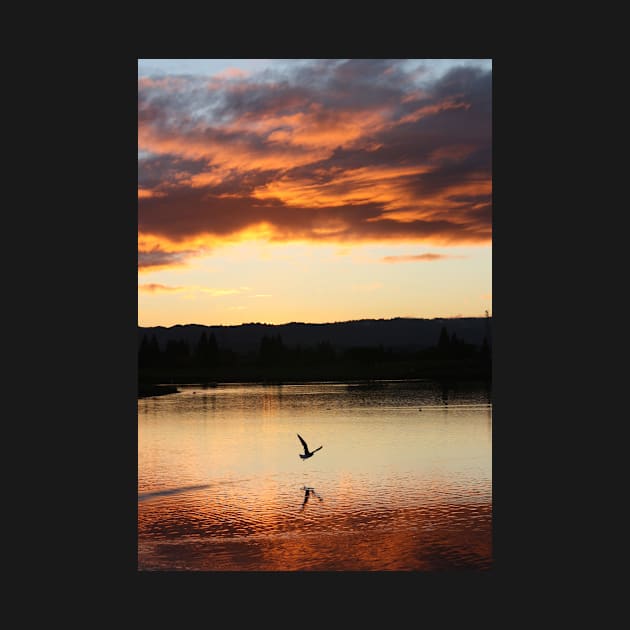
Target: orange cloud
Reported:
[(417, 258), (143, 193), (155, 254), (429, 110), (157, 288), (231, 73), (334, 151), (212, 291)]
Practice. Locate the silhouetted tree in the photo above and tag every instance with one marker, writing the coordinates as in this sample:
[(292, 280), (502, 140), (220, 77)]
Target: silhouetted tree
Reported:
[(213, 347), (170, 353), (367, 355), (183, 352), (177, 353), (272, 349), (201, 349), (206, 351), (324, 352), (153, 354), (444, 343), (143, 352), (264, 349)]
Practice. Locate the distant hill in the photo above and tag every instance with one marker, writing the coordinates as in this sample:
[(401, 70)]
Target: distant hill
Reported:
[(398, 333)]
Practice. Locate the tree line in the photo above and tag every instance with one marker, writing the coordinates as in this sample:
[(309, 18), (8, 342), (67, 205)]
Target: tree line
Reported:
[(272, 351)]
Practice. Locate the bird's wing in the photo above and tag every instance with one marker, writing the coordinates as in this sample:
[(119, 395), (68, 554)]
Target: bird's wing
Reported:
[(303, 444)]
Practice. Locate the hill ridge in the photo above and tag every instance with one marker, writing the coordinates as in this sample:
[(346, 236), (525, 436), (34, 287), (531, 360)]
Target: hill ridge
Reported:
[(397, 332)]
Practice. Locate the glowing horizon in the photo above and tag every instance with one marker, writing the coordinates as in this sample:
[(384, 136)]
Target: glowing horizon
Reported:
[(313, 190)]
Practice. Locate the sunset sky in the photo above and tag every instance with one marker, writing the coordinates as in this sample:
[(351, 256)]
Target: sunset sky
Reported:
[(302, 190)]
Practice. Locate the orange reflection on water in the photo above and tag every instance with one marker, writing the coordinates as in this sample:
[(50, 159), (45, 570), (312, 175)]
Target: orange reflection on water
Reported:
[(402, 539), (222, 488), (352, 524)]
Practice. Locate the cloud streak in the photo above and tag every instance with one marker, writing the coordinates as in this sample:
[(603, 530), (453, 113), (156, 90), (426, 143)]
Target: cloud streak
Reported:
[(154, 287), (332, 151), (418, 258)]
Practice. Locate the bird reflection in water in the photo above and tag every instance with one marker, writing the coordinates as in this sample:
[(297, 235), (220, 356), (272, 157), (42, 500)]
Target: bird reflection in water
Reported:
[(307, 495)]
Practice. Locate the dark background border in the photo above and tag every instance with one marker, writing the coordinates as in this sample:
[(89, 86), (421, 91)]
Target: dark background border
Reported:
[(89, 319)]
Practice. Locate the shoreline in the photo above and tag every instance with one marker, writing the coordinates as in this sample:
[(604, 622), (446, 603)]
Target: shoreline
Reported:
[(440, 370), (162, 389), (145, 390)]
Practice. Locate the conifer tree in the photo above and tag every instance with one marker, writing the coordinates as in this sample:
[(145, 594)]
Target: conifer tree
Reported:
[(143, 352), (444, 343), (155, 356)]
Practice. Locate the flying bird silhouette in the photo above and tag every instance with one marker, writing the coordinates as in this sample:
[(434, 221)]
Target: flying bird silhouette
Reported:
[(307, 453)]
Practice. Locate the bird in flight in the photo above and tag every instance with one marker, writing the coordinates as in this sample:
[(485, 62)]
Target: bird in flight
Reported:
[(307, 453)]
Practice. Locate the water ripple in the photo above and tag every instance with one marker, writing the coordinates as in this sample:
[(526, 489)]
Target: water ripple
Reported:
[(221, 487)]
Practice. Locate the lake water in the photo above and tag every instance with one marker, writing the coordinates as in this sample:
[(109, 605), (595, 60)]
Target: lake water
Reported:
[(403, 481)]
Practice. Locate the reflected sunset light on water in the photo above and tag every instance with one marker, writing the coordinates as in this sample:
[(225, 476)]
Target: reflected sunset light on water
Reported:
[(222, 488)]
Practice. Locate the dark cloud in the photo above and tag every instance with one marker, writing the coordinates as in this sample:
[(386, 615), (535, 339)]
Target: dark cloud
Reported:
[(471, 81), (157, 258), (453, 174), (199, 212), (187, 213), (252, 101), (156, 172), (333, 149)]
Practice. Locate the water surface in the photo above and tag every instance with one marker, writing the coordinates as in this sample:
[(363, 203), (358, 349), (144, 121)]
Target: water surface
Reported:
[(403, 482)]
